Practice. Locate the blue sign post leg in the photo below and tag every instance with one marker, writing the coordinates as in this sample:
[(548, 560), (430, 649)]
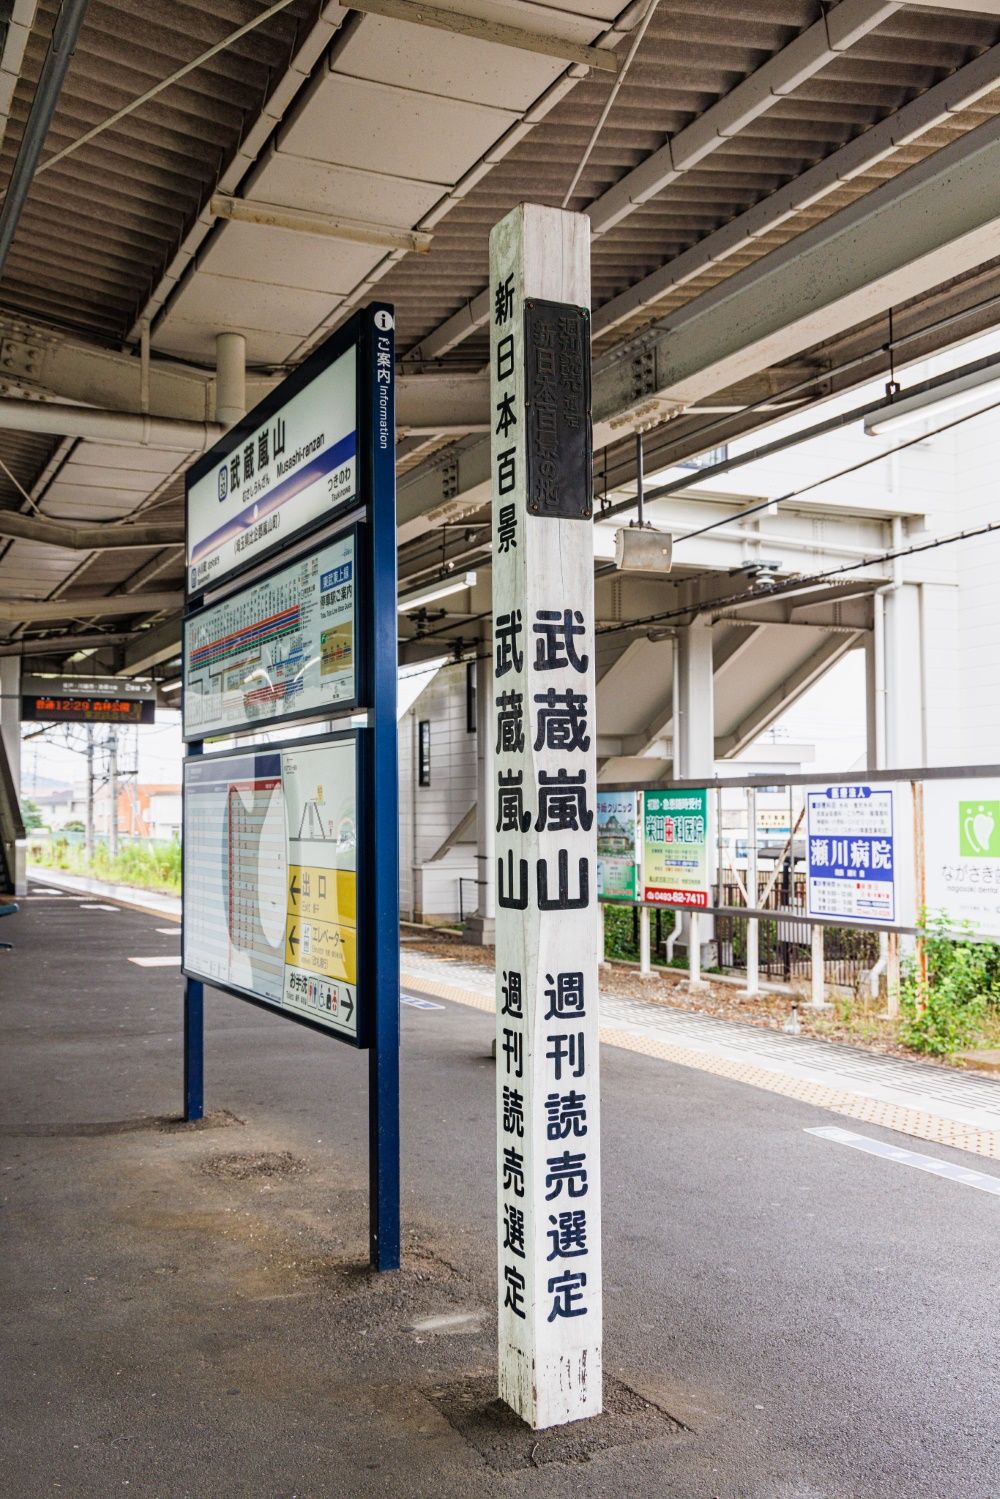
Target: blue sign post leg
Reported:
[(194, 1027), (383, 1056), (194, 1050)]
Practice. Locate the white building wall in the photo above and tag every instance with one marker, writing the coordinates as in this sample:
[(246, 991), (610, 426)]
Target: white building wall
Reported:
[(429, 887)]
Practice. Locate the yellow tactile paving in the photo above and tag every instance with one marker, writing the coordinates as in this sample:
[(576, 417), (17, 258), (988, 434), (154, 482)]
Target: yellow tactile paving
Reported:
[(907, 1121)]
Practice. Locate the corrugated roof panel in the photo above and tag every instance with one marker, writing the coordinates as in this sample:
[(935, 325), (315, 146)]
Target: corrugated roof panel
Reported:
[(145, 180)]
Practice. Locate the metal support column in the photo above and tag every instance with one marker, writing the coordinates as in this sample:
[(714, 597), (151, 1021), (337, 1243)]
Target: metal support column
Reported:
[(694, 746), (230, 377), (383, 1054), (10, 728), (481, 926), (194, 1028)]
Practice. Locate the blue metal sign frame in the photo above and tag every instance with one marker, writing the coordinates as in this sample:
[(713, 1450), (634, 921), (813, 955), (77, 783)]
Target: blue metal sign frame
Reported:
[(372, 331), (362, 740), (327, 354)]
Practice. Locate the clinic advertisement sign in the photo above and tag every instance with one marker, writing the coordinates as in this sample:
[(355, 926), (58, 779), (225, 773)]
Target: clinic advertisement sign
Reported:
[(675, 844), (618, 845), (851, 851), (962, 853), (292, 465)]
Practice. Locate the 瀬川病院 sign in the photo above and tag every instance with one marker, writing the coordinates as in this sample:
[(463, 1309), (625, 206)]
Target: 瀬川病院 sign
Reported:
[(851, 853)]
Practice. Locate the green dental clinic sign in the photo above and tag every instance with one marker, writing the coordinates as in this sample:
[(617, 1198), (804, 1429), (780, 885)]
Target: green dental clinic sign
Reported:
[(962, 853)]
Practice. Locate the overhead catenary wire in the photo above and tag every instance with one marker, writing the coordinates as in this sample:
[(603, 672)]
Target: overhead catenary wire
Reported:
[(634, 45), (802, 581), (842, 473)]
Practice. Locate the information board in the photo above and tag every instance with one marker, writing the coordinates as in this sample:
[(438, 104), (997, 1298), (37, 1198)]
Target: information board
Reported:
[(280, 649), (675, 844), (618, 845), (271, 878), (88, 700), (292, 464), (851, 839), (962, 853)]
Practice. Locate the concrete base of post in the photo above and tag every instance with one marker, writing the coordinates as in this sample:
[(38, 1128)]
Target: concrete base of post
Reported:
[(480, 931)]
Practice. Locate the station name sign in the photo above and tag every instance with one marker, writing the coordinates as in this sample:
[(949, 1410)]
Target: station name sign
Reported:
[(289, 466), (88, 700)]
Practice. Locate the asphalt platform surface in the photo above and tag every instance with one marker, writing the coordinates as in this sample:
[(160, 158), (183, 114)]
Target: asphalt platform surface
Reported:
[(188, 1312)]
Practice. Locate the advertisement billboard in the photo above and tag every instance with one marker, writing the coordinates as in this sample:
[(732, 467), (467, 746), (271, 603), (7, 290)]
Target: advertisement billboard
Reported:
[(618, 845), (851, 842), (962, 853), (675, 848)]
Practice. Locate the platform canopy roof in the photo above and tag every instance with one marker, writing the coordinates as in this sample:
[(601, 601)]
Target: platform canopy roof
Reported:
[(780, 189)]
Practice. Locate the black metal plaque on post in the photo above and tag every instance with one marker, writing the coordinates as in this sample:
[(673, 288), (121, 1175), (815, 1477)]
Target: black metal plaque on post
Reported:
[(560, 477)]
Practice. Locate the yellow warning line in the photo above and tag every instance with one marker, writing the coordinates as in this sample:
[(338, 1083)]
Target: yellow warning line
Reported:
[(907, 1121)]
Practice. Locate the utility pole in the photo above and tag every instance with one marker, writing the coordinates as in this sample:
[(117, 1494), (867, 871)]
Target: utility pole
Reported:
[(89, 844), (113, 788)]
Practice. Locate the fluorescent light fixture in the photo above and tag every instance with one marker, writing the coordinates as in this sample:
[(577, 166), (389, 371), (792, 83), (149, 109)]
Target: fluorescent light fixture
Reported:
[(170, 686), (437, 590), (962, 391)]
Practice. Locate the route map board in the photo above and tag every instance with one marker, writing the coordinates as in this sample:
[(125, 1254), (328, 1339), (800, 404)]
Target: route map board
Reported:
[(279, 649), (271, 878), (288, 466)]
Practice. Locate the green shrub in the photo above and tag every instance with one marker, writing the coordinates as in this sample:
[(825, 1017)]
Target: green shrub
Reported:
[(149, 865), (944, 1012)]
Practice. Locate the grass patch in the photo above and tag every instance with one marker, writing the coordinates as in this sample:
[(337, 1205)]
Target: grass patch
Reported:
[(149, 866)]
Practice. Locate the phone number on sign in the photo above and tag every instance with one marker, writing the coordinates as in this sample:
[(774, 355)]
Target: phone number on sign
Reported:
[(676, 897)]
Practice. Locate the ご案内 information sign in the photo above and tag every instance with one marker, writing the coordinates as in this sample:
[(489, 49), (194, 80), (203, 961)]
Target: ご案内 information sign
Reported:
[(850, 837), (675, 843), (271, 878)]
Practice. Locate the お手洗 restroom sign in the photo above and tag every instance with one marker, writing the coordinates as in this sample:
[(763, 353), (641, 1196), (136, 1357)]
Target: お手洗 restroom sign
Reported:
[(962, 853)]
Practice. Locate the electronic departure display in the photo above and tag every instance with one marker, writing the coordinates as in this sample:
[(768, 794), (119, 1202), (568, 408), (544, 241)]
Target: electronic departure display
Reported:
[(87, 700)]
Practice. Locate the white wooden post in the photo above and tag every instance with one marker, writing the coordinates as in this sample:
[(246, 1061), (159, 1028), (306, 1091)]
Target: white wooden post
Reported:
[(892, 976), (817, 971), (753, 925), (547, 919), (645, 968), (694, 950)]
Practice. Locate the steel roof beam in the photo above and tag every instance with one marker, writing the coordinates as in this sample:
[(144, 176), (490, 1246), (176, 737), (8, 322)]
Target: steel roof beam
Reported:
[(779, 76), (30, 611), (151, 648), (928, 225), (935, 107), (771, 707), (810, 52), (485, 30)]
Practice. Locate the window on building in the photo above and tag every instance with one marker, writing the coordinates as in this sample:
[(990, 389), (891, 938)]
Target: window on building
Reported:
[(424, 752), (707, 460), (470, 697)]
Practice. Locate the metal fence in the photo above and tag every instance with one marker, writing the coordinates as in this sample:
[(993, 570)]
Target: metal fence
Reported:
[(785, 944)]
